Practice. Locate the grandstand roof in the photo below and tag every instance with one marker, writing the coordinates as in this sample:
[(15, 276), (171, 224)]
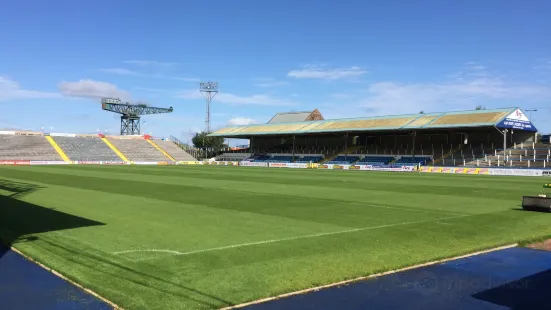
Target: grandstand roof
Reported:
[(440, 120), (290, 117)]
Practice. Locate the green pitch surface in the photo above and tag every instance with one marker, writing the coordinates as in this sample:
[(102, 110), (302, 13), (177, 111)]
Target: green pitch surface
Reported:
[(187, 237)]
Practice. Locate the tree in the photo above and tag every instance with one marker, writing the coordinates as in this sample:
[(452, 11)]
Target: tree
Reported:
[(422, 112), (202, 140), (479, 107)]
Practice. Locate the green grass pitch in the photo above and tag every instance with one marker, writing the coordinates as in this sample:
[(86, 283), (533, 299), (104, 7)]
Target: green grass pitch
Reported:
[(193, 237)]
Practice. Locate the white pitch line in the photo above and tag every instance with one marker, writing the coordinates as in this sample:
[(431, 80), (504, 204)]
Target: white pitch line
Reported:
[(288, 239), (93, 246), (404, 209), (148, 250)]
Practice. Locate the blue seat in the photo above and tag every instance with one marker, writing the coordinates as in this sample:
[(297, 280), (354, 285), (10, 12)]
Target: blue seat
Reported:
[(344, 160), (308, 159), (370, 160), (413, 160)]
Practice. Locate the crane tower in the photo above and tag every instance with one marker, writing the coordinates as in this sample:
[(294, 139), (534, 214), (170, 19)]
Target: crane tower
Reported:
[(130, 113)]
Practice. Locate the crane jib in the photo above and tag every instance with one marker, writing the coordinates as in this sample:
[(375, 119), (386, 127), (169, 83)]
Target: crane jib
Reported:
[(130, 119), (129, 109)]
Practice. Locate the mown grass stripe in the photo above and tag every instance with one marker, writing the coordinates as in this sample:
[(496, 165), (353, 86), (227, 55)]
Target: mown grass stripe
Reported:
[(189, 208)]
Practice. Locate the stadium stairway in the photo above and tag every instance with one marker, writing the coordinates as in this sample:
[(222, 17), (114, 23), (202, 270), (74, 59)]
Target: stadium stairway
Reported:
[(57, 148), (437, 161), (353, 150), (349, 151), (329, 158), (115, 149), (161, 150), (174, 150)]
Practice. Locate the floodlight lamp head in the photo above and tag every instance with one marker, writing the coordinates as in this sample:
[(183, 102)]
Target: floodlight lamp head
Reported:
[(208, 86)]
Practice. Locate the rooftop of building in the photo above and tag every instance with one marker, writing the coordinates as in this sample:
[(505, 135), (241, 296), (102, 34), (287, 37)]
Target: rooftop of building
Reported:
[(436, 120)]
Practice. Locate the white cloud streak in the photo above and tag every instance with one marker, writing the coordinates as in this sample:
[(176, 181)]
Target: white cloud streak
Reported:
[(321, 72), (238, 121), (92, 89), (269, 82), (11, 90), (149, 63), (231, 99), (123, 71), (399, 98)]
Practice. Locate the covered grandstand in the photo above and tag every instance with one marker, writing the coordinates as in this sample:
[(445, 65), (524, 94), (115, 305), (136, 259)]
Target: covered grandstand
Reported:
[(497, 137)]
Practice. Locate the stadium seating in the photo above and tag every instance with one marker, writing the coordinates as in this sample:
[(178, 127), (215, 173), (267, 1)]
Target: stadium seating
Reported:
[(280, 159), (258, 158), (138, 150), (271, 159), (309, 159), (175, 151), (26, 148), (412, 160), (376, 160), (86, 149), (232, 156), (344, 160)]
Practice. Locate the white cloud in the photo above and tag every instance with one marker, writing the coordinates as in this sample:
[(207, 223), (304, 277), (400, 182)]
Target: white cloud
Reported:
[(237, 121), (253, 100), (92, 89), (232, 99), (385, 98), (11, 90), (340, 96), (471, 70), (120, 71), (321, 72), (190, 94), (123, 71), (269, 82), (183, 79), (149, 63)]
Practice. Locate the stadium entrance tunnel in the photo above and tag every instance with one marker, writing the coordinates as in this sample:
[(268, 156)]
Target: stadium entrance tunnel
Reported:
[(20, 221)]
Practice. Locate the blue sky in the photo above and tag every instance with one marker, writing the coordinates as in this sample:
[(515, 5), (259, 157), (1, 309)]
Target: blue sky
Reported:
[(346, 58)]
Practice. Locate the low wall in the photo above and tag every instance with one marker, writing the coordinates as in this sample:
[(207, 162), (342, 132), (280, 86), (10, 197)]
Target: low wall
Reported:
[(488, 171), (424, 169)]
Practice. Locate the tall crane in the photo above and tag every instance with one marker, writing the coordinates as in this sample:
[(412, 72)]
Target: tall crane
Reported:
[(130, 113)]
